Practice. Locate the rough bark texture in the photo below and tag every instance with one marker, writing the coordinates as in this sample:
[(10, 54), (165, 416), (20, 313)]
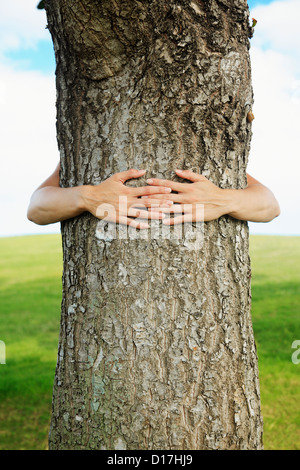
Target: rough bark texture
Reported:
[(156, 346)]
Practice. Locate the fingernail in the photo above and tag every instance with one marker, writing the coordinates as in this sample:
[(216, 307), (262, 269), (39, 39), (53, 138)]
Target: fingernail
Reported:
[(168, 190), (150, 181)]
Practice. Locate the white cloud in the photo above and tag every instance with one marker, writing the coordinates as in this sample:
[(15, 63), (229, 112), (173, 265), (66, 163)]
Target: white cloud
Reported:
[(274, 157), (28, 143), (27, 120), (21, 24), (278, 26)]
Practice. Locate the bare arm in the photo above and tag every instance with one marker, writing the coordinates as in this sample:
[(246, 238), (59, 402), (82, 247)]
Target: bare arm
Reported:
[(49, 203), (255, 203)]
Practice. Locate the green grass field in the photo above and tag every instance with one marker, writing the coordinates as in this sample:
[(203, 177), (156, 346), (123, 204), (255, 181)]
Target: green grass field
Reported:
[(30, 295)]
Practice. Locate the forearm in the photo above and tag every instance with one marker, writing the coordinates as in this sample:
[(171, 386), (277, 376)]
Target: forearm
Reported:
[(255, 203), (53, 204)]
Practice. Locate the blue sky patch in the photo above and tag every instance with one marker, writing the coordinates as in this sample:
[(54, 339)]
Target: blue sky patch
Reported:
[(40, 58), (256, 3)]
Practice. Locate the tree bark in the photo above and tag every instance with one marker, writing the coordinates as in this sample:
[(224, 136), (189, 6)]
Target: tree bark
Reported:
[(156, 347)]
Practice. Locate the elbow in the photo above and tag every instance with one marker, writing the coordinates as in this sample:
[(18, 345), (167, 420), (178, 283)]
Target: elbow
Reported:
[(272, 208), (33, 216), (35, 211), (38, 210), (31, 211), (274, 211), (277, 210)]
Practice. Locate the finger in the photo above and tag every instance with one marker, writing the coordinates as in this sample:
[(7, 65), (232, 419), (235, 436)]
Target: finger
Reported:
[(154, 208), (128, 175), (190, 175), (133, 223), (169, 197), (148, 202), (191, 214), (144, 214), (145, 190), (156, 205), (170, 184), (174, 209)]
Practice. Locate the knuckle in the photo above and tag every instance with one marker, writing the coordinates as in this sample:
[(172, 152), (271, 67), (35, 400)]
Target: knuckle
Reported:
[(132, 172)]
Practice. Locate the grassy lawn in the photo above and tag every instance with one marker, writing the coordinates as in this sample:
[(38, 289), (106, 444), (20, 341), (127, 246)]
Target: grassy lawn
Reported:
[(30, 296), (276, 315)]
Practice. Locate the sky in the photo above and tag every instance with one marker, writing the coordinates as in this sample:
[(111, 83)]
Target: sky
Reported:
[(28, 146)]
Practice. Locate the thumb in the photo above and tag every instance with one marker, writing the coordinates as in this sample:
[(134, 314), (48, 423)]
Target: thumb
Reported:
[(190, 175), (128, 175)]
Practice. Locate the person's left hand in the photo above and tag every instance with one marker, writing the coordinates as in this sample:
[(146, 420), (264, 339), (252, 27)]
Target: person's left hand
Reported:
[(200, 200)]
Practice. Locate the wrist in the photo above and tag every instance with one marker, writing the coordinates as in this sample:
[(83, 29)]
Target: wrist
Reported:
[(231, 200), (83, 196)]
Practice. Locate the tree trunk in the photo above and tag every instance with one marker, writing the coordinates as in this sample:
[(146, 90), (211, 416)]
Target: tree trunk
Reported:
[(156, 346)]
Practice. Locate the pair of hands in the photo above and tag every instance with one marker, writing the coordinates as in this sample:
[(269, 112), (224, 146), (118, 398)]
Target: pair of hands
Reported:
[(199, 200)]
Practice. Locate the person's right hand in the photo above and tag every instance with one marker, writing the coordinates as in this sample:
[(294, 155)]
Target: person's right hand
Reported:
[(116, 202)]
